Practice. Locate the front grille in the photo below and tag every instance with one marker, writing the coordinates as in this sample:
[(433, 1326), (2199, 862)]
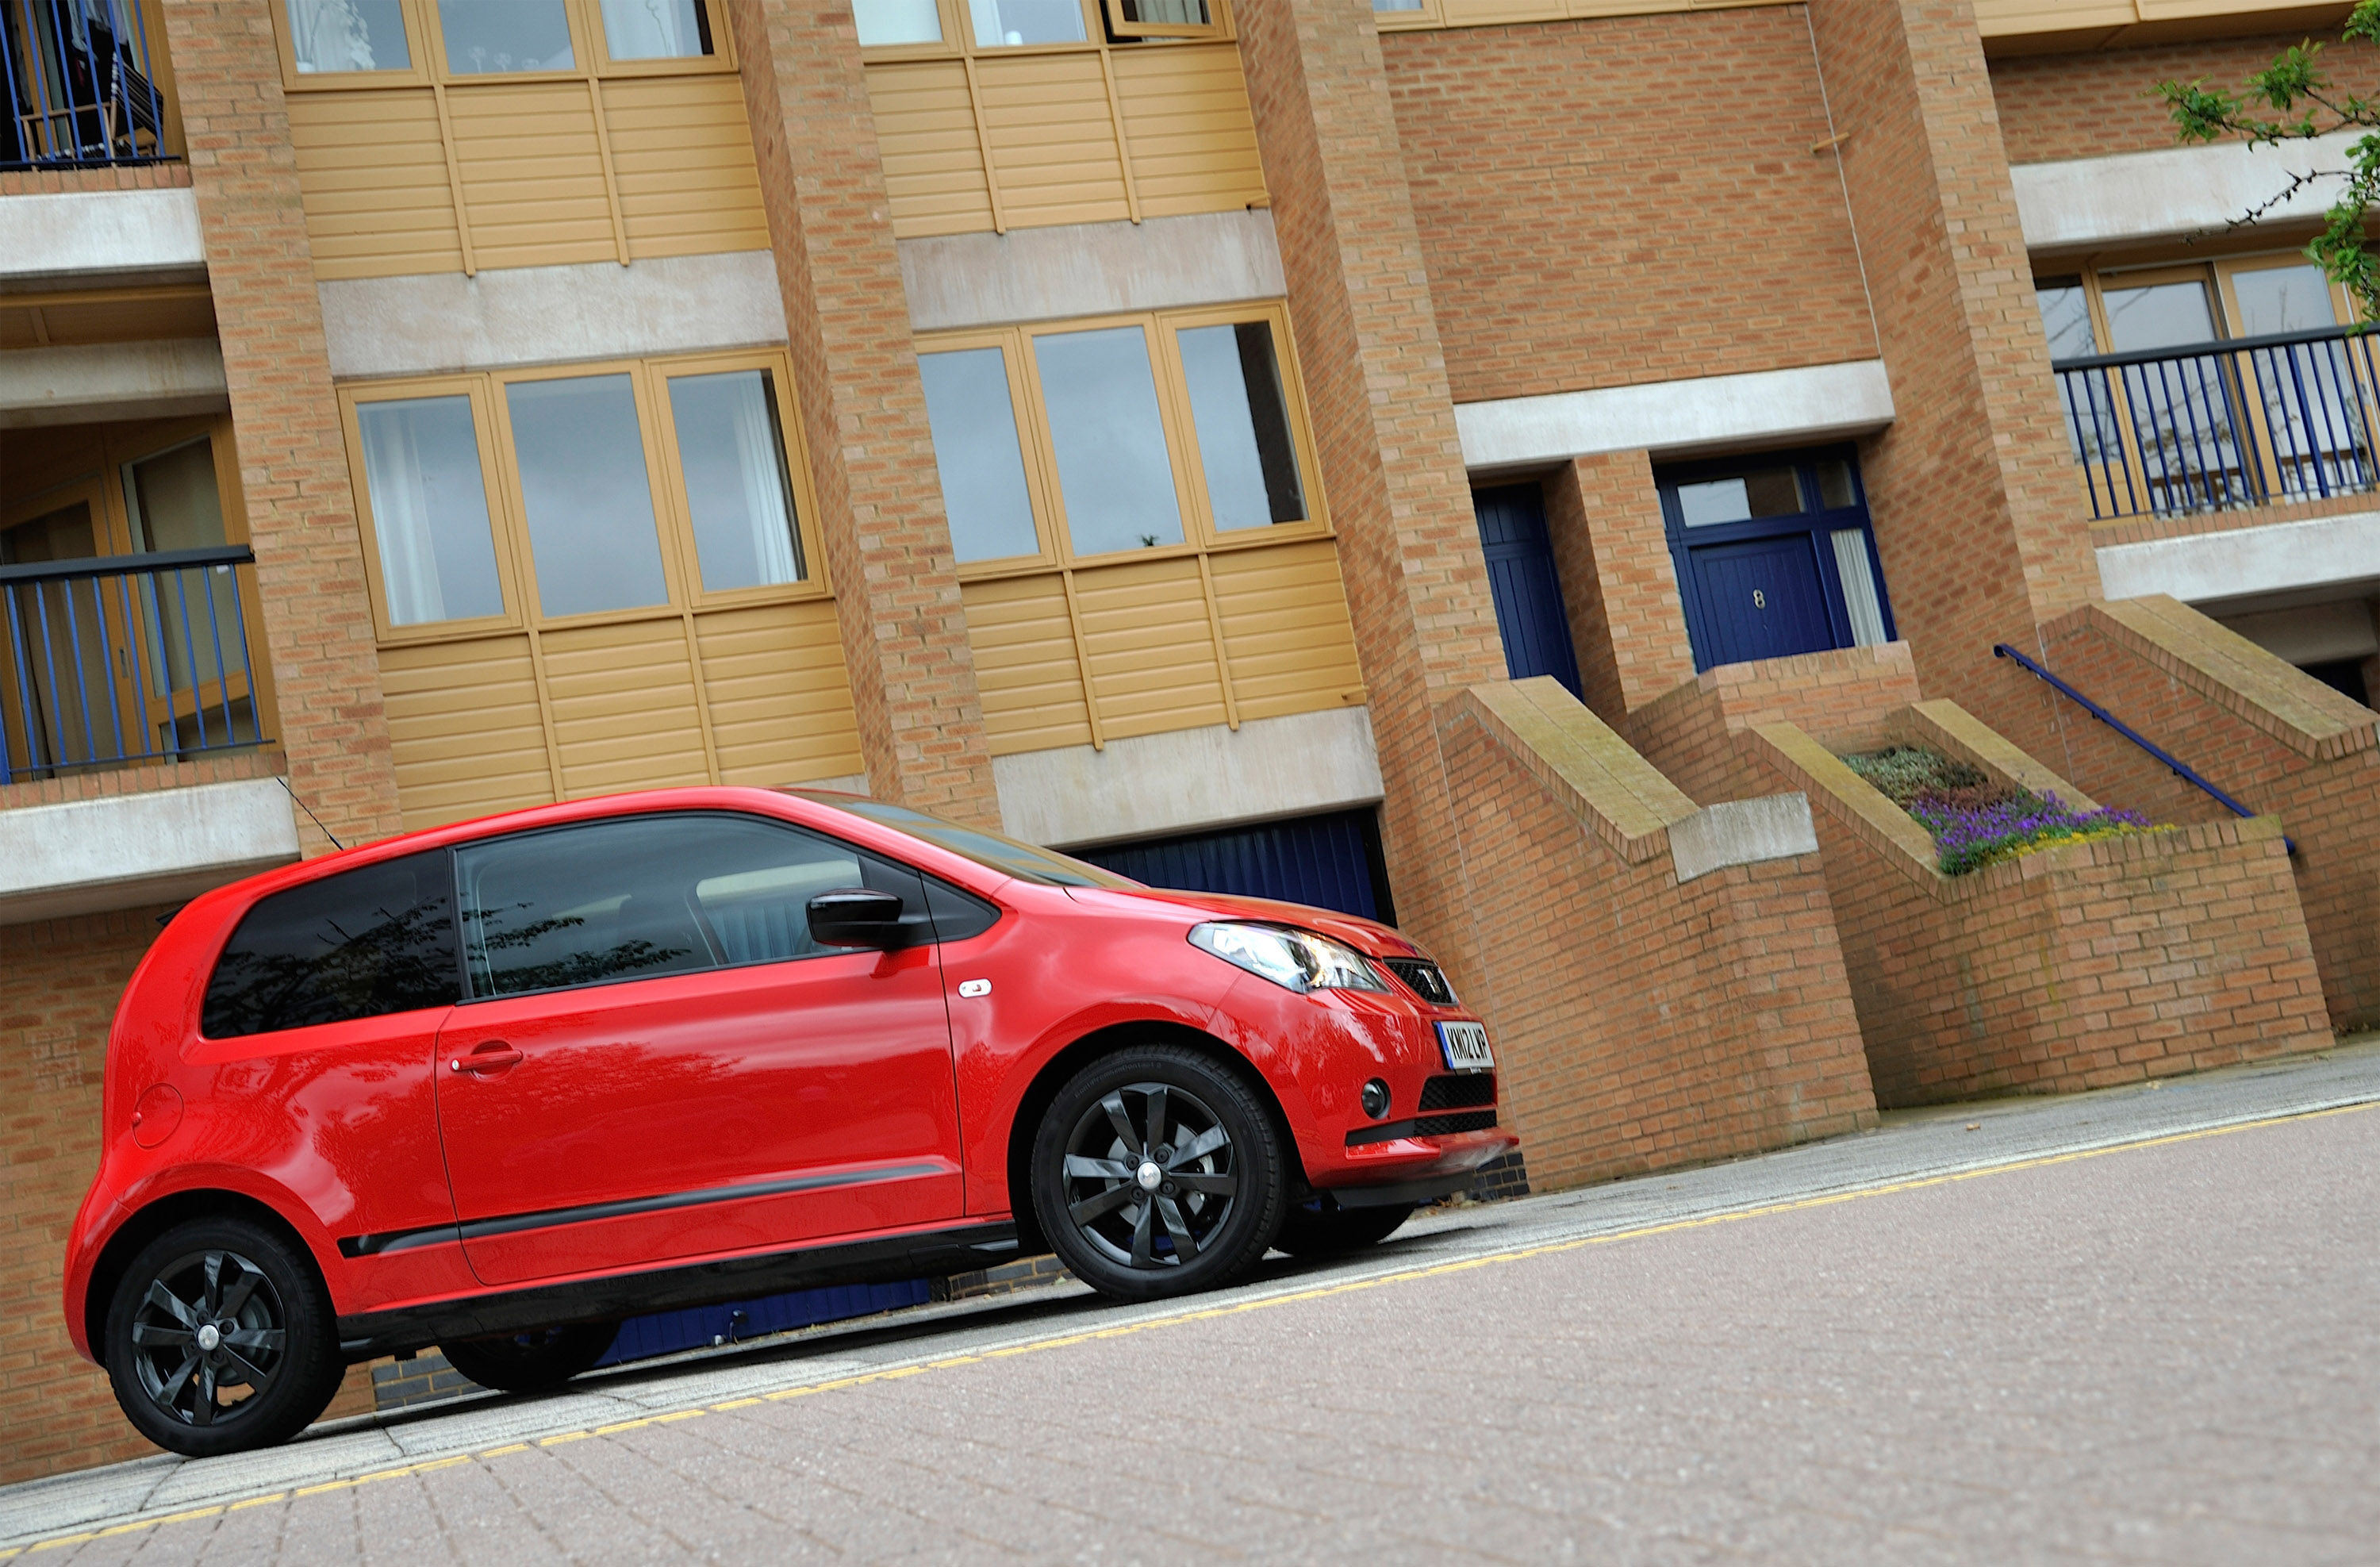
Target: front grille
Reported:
[(1447, 1125), (1459, 1090), (1423, 978)]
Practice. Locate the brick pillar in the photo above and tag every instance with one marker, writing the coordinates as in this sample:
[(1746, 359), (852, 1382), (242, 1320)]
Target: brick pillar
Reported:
[(1619, 586), (1383, 422), (887, 543), (293, 461), (1979, 518)]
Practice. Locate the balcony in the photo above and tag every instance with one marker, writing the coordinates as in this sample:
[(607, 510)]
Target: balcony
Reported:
[(2252, 421), (77, 89), (128, 660)]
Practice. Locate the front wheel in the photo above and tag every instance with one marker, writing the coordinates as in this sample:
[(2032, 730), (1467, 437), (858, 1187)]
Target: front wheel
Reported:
[(219, 1338), (1156, 1173), (542, 1357)]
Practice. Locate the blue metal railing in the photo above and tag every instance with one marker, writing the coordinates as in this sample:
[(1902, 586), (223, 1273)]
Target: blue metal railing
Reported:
[(76, 88), (124, 659), (2289, 417), (2180, 770)]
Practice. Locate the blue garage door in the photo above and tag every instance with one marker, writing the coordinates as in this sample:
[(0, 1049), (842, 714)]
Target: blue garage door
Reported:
[(1330, 861), (1521, 575)]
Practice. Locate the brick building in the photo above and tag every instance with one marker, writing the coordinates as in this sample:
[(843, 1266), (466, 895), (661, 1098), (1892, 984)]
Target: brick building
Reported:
[(1398, 454)]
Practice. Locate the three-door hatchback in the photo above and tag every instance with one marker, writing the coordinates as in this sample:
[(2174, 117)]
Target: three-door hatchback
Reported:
[(498, 1085)]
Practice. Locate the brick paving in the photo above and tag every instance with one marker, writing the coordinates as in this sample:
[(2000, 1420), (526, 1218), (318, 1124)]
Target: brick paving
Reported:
[(2007, 1347)]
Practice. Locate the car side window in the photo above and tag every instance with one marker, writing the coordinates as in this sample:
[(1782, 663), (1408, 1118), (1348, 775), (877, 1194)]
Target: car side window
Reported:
[(363, 944), (636, 898)]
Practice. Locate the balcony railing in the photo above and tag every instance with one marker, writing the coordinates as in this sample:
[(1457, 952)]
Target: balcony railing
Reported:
[(75, 89), (2248, 422), (125, 659)]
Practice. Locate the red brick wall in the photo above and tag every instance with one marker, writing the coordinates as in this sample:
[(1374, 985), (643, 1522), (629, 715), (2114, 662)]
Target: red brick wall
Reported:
[(1619, 585), (2275, 739), (293, 462), (222, 768), (888, 542), (1846, 698), (1384, 429), (2091, 104), (1721, 1021), (1980, 525), (1582, 231), (146, 177)]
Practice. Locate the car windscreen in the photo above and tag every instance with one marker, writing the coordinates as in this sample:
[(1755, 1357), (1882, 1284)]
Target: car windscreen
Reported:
[(1002, 853)]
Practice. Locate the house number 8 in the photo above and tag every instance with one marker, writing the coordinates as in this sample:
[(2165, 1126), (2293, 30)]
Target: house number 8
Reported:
[(1759, 600)]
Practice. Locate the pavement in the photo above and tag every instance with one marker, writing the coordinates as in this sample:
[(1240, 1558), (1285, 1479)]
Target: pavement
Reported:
[(2134, 1324)]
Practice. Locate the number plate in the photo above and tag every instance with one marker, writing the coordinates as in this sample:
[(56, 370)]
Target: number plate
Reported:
[(1465, 1045)]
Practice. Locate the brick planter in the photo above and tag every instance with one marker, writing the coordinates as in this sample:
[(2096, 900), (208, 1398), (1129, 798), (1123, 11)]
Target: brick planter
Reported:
[(2068, 968)]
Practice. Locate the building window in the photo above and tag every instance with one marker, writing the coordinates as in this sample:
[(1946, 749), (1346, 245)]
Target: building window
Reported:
[(979, 27), (1162, 18), (325, 42), (893, 24), (1774, 556), (327, 36), (656, 29), (1153, 432), (615, 490)]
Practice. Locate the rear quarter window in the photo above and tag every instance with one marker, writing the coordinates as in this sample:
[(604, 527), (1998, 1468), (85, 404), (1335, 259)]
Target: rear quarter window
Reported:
[(363, 944)]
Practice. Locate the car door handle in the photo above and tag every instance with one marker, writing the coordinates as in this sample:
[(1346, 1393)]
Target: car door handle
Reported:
[(493, 1056)]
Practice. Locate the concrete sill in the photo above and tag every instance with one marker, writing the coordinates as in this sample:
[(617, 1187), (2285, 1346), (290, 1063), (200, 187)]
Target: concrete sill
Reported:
[(124, 851)]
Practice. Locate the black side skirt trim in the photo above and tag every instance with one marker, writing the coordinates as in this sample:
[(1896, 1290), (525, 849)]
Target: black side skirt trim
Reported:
[(546, 1219), (616, 1296)]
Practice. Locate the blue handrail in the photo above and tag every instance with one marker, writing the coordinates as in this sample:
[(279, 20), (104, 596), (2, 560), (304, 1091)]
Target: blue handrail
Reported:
[(2181, 769), (77, 89), (125, 659)]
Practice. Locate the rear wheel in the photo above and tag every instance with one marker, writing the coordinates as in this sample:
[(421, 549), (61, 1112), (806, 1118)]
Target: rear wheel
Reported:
[(219, 1338), (1156, 1173), (1319, 1227), (542, 1357)]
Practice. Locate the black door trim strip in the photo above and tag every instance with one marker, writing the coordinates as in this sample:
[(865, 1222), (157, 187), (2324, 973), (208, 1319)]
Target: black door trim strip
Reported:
[(550, 1218)]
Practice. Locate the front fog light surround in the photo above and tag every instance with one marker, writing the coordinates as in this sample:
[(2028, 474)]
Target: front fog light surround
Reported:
[(1295, 960), (1375, 1100)]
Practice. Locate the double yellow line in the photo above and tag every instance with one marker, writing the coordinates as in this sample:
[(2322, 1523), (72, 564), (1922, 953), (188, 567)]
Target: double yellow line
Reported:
[(1201, 1314)]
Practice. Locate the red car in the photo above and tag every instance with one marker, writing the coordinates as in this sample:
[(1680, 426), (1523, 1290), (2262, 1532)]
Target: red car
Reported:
[(498, 1085)]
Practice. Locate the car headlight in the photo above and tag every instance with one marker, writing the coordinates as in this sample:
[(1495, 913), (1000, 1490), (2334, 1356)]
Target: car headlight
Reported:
[(1298, 960)]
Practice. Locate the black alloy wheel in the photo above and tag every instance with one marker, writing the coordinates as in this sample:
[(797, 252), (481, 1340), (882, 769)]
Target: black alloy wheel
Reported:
[(219, 1339), (1155, 1173), (1319, 1227), (542, 1357)]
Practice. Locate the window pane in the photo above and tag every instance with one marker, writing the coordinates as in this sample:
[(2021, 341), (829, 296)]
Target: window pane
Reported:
[(1025, 21), (733, 457), (1113, 469), (506, 35), (2160, 315), (2282, 299), (430, 510), (646, 896), (1243, 426), (583, 485), (976, 452), (656, 29), (347, 35), (1859, 587), (2066, 318), (1396, 5), (1835, 486), (1771, 491), (884, 23), (363, 944), (1167, 13)]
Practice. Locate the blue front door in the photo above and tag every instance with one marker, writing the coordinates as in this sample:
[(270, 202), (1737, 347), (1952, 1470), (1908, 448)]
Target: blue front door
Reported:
[(1521, 575), (1761, 600)]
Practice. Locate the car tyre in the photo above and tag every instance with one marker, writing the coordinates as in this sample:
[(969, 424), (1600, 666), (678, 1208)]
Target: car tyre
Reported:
[(524, 1363), (1157, 1173), (219, 1338), (1319, 1227)]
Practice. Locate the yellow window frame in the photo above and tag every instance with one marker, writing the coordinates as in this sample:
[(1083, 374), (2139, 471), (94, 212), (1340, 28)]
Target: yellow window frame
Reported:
[(425, 41)]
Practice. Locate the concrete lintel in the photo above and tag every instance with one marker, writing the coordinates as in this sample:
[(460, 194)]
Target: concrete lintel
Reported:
[(1742, 832), (2171, 192), (122, 851), (2240, 562), (91, 234), (964, 280), (1674, 417), (438, 323), (1188, 779), (112, 380)]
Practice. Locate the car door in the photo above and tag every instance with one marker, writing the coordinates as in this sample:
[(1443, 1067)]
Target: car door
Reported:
[(655, 1060)]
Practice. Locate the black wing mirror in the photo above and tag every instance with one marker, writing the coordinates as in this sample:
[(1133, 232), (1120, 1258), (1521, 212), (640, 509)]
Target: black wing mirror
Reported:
[(861, 916)]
